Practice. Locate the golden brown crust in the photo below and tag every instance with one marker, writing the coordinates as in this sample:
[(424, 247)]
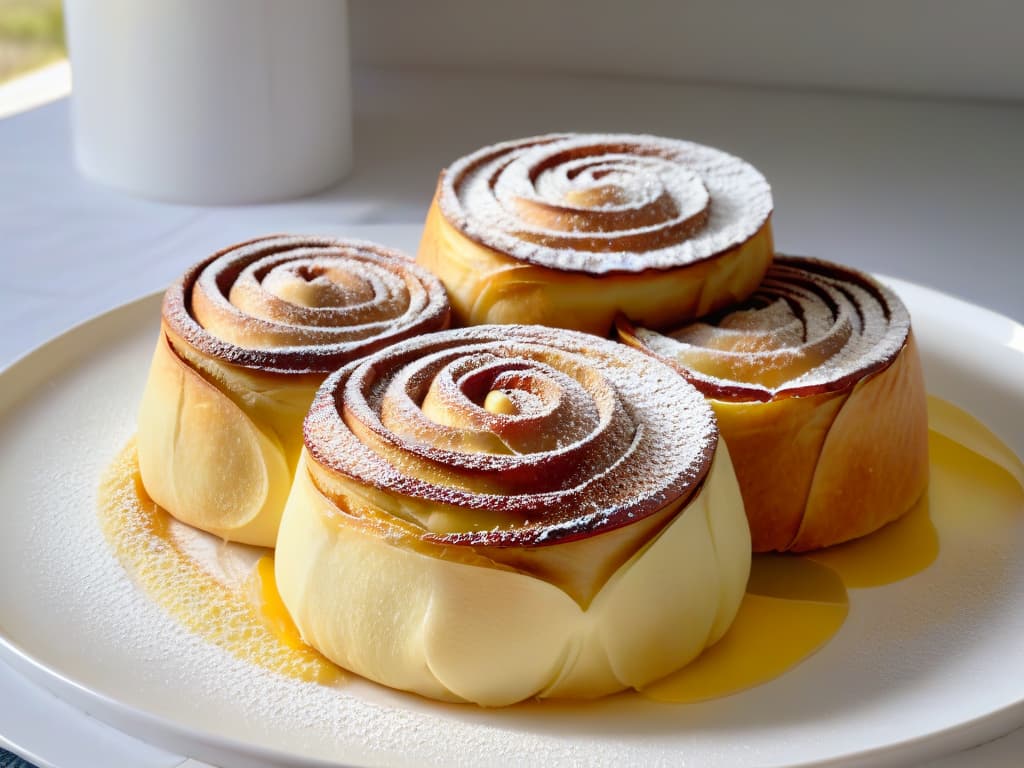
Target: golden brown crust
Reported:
[(818, 391), (513, 246), (246, 338), (874, 463), (776, 448)]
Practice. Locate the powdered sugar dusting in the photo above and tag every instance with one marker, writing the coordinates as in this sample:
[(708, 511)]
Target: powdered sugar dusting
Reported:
[(229, 564), (811, 326), (605, 203), (629, 435), (302, 304)]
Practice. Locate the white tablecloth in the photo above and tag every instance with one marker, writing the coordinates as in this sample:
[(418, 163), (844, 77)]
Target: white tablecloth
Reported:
[(924, 190)]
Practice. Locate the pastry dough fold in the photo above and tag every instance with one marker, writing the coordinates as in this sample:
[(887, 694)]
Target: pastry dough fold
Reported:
[(818, 390), (246, 338), (416, 553)]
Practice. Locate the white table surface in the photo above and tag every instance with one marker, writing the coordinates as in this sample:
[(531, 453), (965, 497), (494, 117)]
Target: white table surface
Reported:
[(929, 191)]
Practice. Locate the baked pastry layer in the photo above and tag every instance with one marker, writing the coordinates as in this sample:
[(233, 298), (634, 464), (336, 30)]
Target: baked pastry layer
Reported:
[(569, 230), (818, 390), (247, 337), (502, 512)]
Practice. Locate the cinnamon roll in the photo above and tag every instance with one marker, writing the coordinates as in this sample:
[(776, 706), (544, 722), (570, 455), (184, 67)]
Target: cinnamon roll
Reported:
[(818, 390), (569, 230), (502, 512), (246, 338)]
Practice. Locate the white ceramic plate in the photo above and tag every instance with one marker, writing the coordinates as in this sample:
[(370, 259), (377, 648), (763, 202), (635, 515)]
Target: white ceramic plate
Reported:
[(921, 667)]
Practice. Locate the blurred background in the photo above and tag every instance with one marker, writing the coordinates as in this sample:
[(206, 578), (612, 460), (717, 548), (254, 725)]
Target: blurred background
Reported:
[(965, 50), (33, 55), (31, 35), (921, 47)]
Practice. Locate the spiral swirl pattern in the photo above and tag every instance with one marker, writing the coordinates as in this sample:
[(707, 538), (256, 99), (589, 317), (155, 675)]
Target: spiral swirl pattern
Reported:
[(605, 203), (811, 327), (534, 435), (302, 304), (818, 392)]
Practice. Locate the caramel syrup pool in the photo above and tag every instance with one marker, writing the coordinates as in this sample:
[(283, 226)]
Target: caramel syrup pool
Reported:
[(792, 607), (244, 616)]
